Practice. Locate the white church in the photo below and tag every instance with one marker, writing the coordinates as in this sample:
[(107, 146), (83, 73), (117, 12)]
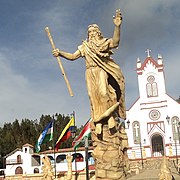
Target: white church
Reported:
[(152, 127), (153, 119)]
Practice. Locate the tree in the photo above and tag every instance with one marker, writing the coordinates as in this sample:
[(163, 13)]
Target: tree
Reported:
[(16, 134), (178, 100)]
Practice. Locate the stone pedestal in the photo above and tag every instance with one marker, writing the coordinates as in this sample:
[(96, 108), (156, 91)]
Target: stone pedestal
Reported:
[(110, 153)]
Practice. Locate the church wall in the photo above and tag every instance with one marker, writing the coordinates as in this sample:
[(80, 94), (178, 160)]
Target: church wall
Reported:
[(148, 114), (12, 160), (172, 108), (27, 164)]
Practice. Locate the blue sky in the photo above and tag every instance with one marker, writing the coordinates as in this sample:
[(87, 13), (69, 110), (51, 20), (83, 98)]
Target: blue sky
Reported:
[(31, 83)]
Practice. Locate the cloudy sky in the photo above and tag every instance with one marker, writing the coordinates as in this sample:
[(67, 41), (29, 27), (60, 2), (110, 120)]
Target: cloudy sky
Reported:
[(31, 83)]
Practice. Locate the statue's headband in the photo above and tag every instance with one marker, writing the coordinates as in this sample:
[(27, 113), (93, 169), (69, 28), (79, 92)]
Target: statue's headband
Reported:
[(94, 26)]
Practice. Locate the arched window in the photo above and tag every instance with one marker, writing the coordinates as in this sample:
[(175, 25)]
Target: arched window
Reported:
[(175, 126), (51, 159), (19, 159), (79, 157), (35, 160), (136, 132), (90, 158), (36, 170), (61, 158), (151, 87), (19, 170)]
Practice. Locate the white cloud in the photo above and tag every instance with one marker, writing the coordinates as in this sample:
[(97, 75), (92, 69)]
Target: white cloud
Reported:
[(31, 82)]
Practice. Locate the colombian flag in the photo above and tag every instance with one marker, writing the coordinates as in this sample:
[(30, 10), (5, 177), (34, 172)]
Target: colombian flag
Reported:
[(66, 133)]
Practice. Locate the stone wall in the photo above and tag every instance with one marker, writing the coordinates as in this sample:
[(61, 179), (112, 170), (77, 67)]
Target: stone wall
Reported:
[(153, 163), (60, 176)]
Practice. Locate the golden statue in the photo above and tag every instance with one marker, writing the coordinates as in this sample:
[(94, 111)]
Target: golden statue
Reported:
[(47, 168), (165, 173), (48, 171), (69, 161), (105, 81), (105, 85)]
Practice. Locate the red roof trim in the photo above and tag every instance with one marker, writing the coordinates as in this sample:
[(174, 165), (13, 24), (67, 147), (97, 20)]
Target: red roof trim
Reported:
[(146, 61)]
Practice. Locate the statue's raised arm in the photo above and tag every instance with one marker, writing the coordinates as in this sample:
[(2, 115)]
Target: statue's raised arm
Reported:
[(117, 19), (106, 90)]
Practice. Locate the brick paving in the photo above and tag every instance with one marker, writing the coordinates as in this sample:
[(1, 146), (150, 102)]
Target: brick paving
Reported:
[(152, 174)]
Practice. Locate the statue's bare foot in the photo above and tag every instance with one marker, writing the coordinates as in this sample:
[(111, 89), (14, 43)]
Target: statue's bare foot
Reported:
[(98, 128), (111, 123)]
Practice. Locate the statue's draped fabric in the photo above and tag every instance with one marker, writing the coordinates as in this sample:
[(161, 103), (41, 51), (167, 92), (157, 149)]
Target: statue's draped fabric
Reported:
[(105, 81)]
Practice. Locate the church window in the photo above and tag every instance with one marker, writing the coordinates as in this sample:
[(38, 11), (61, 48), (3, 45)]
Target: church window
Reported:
[(154, 114), (175, 127), (19, 159), (151, 87), (36, 160), (61, 158), (136, 132), (36, 170)]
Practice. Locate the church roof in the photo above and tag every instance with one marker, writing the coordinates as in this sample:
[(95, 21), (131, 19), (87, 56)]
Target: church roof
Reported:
[(17, 149), (28, 145), (157, 64), (147, 61)]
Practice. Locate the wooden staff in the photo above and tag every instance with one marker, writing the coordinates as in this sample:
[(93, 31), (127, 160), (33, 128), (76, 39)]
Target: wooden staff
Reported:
[(59, 61)]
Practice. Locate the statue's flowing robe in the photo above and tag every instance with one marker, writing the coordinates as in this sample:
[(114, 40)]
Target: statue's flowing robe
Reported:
[(104, 78)]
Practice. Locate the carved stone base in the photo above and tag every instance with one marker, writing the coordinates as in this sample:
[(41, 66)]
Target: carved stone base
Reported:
[(109, 153)]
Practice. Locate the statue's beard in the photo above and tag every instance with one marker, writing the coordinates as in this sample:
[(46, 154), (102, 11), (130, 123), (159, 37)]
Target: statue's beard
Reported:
[(95, 38)]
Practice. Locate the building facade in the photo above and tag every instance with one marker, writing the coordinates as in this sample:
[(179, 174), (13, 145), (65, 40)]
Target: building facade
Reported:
[(25, 161), (153, 119), (152, 127)]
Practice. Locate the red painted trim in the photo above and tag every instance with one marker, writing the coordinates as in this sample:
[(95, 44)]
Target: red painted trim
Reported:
[(139, 73), (146, 61), (167, 145), (155, 122), (154, 107), (153, 102)]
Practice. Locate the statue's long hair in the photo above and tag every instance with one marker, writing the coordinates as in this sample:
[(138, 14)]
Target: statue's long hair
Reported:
[(95, 26)]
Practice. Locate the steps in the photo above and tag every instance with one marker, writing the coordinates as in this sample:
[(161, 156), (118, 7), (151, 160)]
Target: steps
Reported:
[(146, 175), (151, 170)]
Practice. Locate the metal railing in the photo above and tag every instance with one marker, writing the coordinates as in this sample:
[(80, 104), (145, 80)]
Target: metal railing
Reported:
[(14, 161)]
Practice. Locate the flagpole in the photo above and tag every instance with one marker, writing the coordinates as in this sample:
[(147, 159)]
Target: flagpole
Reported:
[(86, 153), (54, 148), (75, 149)]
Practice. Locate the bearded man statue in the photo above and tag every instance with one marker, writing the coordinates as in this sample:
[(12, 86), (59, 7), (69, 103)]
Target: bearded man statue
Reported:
[(106, 86)]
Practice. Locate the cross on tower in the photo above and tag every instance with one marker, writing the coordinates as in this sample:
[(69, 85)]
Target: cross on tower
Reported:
[(148, 52)]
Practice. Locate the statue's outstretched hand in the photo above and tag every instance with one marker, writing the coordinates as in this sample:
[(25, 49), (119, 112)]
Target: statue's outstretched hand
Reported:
[(117, 19), (56, 52)]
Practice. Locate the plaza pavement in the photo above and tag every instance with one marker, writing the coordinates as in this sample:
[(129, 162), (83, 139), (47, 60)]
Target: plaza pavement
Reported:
[(152, 175)]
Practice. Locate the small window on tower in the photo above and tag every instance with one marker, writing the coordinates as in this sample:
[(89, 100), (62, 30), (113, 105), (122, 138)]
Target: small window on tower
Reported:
[(151, 87)]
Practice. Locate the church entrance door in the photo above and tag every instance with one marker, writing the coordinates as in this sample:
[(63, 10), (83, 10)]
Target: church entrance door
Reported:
[(19, 170), (157, 145)]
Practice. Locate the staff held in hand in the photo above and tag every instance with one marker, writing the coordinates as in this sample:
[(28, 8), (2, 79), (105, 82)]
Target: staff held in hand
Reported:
[(59, 61)]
